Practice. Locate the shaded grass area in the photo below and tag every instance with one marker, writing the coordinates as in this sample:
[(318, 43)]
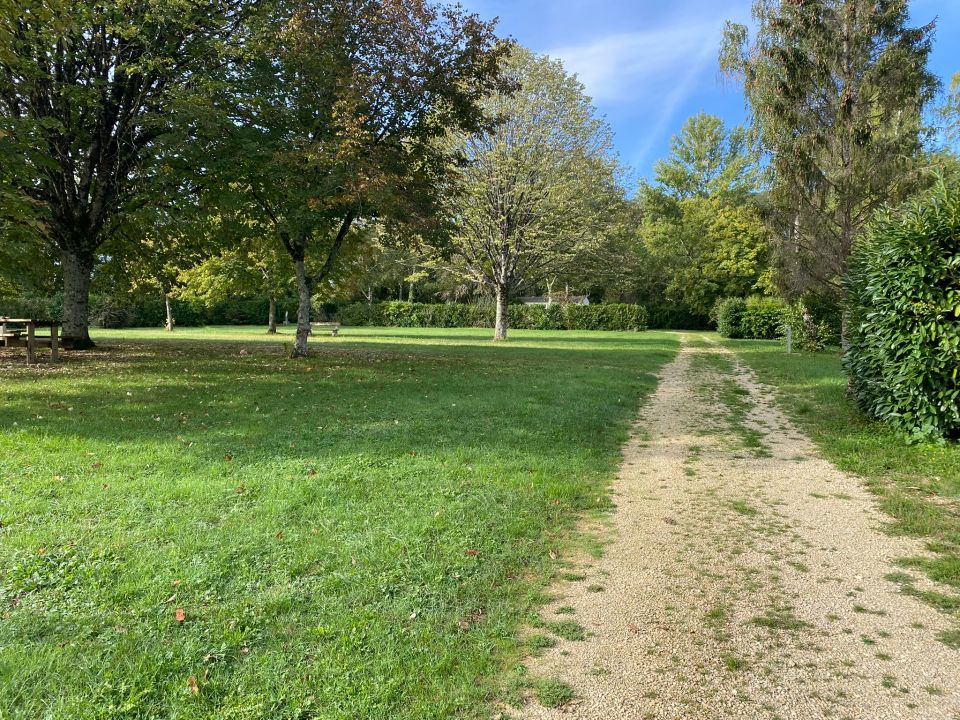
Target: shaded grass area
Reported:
[(918, 485), (194, 526)]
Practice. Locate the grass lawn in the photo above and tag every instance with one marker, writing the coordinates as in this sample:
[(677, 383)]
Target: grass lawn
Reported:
[(919, 485), (194, 526)]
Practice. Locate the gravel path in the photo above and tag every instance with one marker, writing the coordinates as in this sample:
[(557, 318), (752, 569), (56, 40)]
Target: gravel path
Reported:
[(745, 577)]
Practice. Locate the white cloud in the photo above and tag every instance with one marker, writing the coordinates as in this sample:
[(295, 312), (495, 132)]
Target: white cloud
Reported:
[(652, 71), (617, 67)]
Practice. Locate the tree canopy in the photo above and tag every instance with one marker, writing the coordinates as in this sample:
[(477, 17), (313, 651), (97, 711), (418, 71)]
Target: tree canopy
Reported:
[(91, 96), (836, 91), (334, 111)]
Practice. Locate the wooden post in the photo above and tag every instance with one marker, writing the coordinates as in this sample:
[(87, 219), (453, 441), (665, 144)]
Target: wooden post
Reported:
[(54, 342), (789, 339), (3, 333), (31, 347)]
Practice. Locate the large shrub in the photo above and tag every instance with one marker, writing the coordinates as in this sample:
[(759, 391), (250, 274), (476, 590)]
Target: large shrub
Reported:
[(728, 314), (904, 299), (753, 318), (41, 308), (763, 318)]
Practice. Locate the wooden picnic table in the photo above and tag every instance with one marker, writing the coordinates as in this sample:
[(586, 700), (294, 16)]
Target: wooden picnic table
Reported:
[(14, 336)]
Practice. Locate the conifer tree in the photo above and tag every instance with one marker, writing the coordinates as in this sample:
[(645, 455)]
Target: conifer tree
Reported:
[(836, 90)]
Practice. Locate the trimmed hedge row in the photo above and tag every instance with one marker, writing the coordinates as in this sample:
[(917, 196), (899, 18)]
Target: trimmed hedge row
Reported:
[(675, 316), (105, 312), (753, 318), (904, 298), (529, 317), (149, 312)]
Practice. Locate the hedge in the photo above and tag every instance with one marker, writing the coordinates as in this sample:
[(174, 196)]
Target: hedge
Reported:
[(531, 317), (904, 299), (753, 318), (150, 312), (675, 316)]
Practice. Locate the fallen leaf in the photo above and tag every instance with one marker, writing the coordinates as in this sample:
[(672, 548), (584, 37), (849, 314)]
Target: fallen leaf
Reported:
[(472, 553), (280, 535), (176, 582), (228, 458), (180, 615), (192, 685), (634, 628), (553, 555)]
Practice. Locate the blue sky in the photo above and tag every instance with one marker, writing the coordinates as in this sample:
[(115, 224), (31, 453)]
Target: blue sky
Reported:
[(650, 64)]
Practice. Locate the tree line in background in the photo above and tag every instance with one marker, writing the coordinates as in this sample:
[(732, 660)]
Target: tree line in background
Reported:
[(369, 150)]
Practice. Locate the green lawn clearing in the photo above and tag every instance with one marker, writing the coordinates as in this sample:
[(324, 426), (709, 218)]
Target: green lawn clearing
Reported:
[(919, 485), (194, 526)]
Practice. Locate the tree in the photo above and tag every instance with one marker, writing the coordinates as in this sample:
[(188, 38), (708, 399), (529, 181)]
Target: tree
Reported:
[(701, 228), (90, 92), (536, 189), (951, 110), (712, 250), (835, 89), (257, 266), (707, 160), (334, 113)]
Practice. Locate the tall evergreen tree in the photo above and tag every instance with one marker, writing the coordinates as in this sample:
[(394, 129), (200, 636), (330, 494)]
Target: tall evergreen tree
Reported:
[(836, 90)]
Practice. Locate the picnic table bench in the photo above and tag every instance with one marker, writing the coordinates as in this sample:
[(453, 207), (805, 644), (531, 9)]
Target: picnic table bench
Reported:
[(333, 327), (22, 332)]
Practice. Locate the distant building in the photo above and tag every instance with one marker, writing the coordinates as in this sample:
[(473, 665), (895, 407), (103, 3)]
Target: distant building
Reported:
[(559, 299)]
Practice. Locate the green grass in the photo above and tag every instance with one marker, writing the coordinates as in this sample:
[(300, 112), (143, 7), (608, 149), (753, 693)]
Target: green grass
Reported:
[(567, 629), (780, 618), (743, 507), (357, 535), (918, 485), (733, 663), (553, 693)]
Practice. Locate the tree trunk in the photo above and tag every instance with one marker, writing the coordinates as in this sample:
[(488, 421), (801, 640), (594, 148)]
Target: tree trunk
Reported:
[(410, 293), (168, 306), (77, 268), (503, 319), (844, 331), (272, 317), (303, 310)]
